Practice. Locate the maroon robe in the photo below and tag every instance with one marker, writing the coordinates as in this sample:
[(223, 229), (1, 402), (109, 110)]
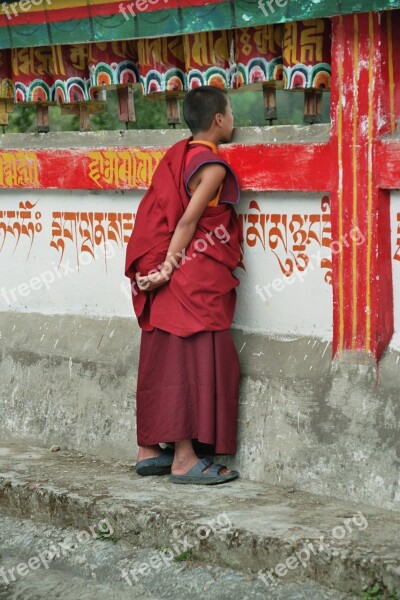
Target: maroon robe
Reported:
[(188, 375)]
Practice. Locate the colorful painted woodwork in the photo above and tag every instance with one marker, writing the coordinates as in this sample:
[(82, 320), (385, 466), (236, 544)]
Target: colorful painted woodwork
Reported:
[(33, 74), (6, 80), (162, 68), (71, 73), (6, 87), (82, 21), (307, 55), (162, 65), (112, 64), (209, 57), (357, 166), (258, 62), (297, 53), (49, 74), (258, 56)]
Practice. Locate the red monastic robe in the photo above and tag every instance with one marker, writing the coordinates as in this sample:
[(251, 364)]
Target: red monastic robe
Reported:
[(188, 376), (201, 293)]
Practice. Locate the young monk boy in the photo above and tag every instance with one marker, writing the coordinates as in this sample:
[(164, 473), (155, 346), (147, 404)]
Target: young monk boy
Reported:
[(180, 260)]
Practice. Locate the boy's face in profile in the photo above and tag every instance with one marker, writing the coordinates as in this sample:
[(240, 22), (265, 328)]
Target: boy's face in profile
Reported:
[(227, 123)]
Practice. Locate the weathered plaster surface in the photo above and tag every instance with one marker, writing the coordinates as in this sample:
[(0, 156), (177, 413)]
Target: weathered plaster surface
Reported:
[(330, 429)]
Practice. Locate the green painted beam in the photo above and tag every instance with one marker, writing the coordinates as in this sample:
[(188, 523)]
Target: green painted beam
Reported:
[(225, 15)]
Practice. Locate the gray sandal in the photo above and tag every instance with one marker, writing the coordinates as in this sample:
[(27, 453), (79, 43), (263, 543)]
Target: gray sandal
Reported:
[(197, 476), (158, 465)]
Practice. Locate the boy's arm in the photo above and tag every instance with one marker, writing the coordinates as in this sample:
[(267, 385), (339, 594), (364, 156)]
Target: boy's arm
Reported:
[(211, 177)]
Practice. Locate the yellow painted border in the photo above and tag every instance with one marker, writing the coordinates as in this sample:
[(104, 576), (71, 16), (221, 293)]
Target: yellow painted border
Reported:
[(340, 185), (370, 189), (355, 180)]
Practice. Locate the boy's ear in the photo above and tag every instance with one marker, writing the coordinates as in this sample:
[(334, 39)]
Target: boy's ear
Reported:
[(218, 119)]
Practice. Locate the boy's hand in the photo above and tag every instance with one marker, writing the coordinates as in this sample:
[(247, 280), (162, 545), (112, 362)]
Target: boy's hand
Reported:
[(210, 178), (152, 281)]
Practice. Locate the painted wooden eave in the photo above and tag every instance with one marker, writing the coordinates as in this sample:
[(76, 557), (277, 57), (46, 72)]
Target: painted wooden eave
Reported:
[(99, 23)]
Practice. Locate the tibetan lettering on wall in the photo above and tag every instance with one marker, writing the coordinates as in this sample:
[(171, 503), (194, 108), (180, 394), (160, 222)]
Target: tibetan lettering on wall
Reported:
[(122, 168), (397, 253), (289, 236), (19, 168), (67, 241), (21, 222), (208, 58), (297, 53), (84, 231), (287, 259), (62, 251), (306, 55), (258, 56), (162, 65)]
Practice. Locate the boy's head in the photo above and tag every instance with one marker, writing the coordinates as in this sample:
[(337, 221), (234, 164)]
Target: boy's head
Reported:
[(206, 106)]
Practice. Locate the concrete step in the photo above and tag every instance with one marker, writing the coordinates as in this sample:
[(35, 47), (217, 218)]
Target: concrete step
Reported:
[(282, 534), (96, 569)]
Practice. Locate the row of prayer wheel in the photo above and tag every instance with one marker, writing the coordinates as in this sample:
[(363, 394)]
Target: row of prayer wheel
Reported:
[(291, 56)]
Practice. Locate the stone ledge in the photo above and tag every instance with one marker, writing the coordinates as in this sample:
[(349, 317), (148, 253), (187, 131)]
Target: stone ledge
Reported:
[(150, 137), (267, 524)]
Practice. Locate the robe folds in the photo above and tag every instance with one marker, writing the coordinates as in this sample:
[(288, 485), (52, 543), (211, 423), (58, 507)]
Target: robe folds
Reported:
[(188, 388), (200, 295), (188, 375)]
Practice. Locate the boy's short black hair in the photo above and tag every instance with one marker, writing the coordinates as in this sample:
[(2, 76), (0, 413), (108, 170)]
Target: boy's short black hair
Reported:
[(201, 105)]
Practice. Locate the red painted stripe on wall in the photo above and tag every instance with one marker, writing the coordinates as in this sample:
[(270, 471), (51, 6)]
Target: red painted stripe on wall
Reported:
[(280, 167)]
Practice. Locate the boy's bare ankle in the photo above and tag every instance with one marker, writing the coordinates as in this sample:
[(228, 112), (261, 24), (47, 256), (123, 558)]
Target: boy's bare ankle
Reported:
[(184, 458), (148, 452), (183, 464)]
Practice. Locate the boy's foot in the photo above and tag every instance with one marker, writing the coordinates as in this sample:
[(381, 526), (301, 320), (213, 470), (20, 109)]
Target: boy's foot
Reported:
[(155, 465), (149, 452), (204, 472), (181, 466)]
